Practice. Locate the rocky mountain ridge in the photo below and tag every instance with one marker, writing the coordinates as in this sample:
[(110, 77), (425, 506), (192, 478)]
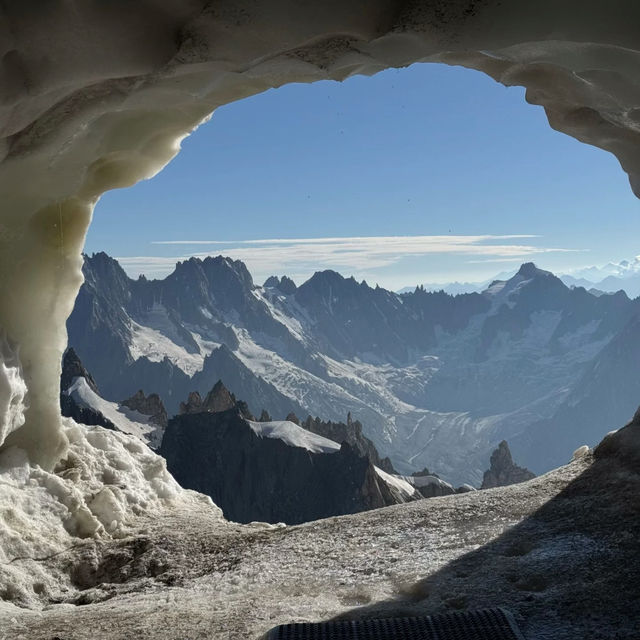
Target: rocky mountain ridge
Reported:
[(254, 470), (274, 471), (437, 380)]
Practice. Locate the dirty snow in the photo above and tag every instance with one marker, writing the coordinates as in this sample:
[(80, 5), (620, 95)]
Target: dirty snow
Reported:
[(106, 482), (479, 549)]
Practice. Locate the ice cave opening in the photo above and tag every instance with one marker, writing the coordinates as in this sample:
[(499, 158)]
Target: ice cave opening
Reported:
[(75, 128), (99, 96)]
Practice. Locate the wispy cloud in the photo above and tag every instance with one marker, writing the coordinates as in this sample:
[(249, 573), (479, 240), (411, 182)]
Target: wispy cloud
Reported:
[(300, 257), (413, 240)]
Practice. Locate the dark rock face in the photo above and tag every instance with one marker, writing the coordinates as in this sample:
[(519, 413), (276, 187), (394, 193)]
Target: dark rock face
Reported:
[(150, 405), (83, 415), (351, 433), (218, 399), (193, 403), (503, 470), (73, 368), (258, 478), (283, 285)]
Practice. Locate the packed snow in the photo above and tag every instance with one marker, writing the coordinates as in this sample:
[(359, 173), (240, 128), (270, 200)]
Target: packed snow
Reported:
[(293, 435), (97, 491)]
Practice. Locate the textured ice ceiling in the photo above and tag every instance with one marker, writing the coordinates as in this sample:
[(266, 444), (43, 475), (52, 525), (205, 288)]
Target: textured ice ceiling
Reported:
[(96, 95)]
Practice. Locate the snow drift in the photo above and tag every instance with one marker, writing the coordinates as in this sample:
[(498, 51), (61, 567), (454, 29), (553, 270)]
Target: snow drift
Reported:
[(104, 484)]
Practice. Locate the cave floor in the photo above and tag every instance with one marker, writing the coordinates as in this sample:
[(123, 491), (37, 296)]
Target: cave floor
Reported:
[(561, 552)]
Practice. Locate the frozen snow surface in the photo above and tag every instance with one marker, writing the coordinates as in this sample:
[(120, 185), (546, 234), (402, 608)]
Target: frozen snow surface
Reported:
[(155, 345), (561, 552), (98, 491), (294, 435), (13, 390)]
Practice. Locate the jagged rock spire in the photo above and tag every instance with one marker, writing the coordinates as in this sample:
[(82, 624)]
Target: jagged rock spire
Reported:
[(503, 470)]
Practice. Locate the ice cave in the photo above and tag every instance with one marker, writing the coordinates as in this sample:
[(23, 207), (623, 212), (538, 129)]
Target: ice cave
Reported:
[(97, 96)]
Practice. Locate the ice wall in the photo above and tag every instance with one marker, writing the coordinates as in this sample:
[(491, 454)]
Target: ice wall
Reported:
[(97, 95)]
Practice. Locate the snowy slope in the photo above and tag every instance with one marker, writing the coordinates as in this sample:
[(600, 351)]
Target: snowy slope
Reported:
[(397, 482), (125, 419), (294, 435)]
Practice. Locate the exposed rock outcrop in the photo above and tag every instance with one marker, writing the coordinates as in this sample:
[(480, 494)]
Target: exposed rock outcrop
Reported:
[(83, 415), (350, 432), (73, 368), (193, 403), (218, 399), (285, 284), (292, 417), (150, 405), (503, 470), (273, 472)]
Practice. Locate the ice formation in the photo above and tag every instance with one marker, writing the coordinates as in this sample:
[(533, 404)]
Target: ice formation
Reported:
[(90, 105), (98, 95), (12, 390)]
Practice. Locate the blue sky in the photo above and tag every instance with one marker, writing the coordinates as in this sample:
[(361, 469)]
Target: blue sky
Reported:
[(425, 174)]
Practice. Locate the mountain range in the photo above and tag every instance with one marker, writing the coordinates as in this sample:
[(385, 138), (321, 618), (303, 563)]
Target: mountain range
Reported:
[(608, 278), (437, 380), (255, 470)]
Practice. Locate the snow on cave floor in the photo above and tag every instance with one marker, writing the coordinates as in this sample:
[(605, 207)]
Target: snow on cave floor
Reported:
[(560, 551)]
